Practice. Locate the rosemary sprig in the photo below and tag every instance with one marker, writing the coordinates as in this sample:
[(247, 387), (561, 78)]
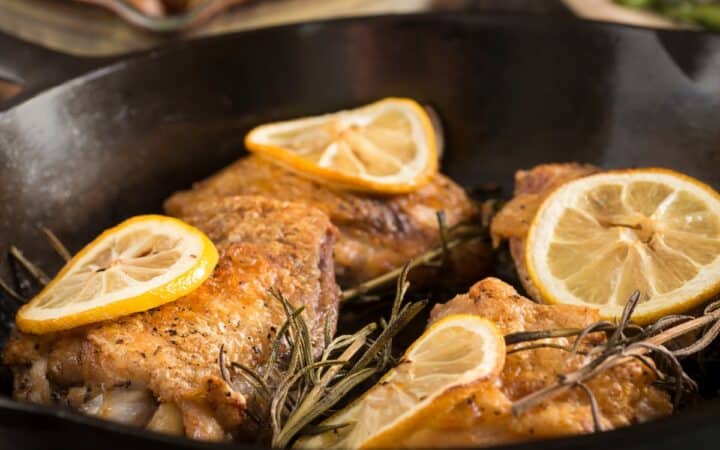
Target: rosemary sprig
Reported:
[(594, 408), (526, 336), (34, 270), (56, 243), (450, 238), (443, 231), (439, 255), (38, 274), (626, 342), (11, 292), (293, 393)]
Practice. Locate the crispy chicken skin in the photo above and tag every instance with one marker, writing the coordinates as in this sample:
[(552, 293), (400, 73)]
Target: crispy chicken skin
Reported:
[(514, 219), (377, 233), (625, 394), (160, 368)]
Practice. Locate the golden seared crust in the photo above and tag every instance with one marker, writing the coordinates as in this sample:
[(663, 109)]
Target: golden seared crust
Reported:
[(625, 394), (377, 233), (172, 350), (513, 221)]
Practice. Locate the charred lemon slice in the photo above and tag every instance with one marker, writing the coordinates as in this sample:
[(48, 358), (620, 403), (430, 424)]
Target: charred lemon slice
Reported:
[(142, 263), (596, 240), (386, 147), (437, 371)]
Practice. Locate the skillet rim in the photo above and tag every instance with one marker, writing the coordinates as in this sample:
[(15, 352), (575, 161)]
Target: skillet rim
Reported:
[(107, 65), (687, 422)]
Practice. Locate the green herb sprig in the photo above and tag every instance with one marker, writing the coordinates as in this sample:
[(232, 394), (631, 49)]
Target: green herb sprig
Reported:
[(450, 238), (650, 345), (36, 273), (295, 392)]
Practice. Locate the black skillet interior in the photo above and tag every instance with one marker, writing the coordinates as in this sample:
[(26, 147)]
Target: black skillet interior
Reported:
[(512, 92)]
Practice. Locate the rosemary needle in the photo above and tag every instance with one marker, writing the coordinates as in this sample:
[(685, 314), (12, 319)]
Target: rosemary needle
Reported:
[(11, 292), (34, 270), (56, 244)]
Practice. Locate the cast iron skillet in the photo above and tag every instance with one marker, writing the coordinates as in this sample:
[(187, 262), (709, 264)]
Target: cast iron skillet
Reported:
[(513, 91)]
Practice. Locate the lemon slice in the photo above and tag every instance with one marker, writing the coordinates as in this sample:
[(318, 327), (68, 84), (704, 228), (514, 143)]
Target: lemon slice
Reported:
[(142, 263), (437, 371), (596, 240), (389, 146)]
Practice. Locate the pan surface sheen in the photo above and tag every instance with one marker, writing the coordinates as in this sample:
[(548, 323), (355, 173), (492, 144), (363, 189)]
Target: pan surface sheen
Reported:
[(513, 91)]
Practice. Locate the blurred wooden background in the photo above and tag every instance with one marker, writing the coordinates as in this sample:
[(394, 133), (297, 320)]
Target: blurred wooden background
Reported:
[(89, 30)]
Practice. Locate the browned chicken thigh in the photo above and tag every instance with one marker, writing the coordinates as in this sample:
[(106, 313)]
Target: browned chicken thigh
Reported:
[(159, 369), (625, 394), (376, 233)]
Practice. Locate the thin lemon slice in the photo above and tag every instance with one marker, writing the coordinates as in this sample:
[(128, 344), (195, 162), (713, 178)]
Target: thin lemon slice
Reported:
[(596, 240), (142, 263), (436, 372), (389, 146)]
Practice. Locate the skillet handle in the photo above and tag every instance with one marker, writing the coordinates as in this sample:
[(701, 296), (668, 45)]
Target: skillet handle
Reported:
[(36, 68)]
